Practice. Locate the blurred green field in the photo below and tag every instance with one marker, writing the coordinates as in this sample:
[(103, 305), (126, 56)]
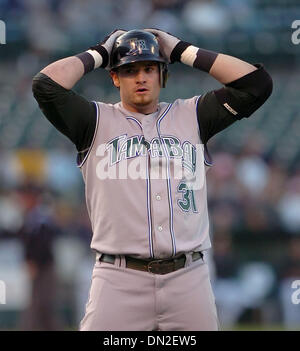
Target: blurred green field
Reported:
[(259, 327), (239, 327)]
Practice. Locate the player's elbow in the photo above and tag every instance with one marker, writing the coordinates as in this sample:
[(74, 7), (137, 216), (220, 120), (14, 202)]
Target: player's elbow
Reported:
[(258, 84), (250, 92), (265, 87), (38, 85), (261, 92), (43, 88)]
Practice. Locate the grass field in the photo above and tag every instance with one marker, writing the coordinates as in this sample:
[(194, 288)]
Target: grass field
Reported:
[(260, 327)]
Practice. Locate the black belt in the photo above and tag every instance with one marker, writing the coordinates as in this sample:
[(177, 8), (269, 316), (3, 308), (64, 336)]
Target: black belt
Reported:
[(155, 266)]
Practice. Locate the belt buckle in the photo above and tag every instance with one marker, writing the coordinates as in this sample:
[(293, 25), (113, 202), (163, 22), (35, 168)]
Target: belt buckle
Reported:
[(154, 265)]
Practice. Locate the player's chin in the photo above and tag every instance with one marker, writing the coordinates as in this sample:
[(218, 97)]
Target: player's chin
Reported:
[(142, 100)]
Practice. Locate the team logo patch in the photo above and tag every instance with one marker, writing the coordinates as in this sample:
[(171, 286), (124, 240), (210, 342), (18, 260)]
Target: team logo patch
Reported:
[(137, 46), (136, 158)]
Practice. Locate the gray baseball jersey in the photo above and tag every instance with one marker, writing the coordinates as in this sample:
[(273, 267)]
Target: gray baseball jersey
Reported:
[(145, 181)]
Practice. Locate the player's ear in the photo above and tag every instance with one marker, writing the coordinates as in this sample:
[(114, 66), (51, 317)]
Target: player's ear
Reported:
[(115, 79)]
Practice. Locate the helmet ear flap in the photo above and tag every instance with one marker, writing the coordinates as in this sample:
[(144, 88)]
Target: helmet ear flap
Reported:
[(164, 74)]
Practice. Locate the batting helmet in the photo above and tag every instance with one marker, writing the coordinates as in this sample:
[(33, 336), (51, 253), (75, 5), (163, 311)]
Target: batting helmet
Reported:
[(138, 45)]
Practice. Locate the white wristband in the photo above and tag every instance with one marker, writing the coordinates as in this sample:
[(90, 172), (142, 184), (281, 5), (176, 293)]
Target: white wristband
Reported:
[(189, 55), (97, 58)]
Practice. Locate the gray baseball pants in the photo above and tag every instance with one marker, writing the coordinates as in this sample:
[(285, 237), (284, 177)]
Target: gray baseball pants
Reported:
[(121, 298)]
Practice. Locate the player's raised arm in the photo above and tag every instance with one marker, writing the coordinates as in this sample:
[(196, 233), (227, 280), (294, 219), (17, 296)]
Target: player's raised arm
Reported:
[(246, 86), (69, 70), (70, 113), (65, 72)]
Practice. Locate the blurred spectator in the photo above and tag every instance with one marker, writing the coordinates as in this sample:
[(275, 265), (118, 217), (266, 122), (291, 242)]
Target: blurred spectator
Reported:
[(252, 171), (226, 285), (222, 182), (11, 214), (207, 17), (242, 13), (274, 189), (133, 12), (61, 171), (238, 287), (45, 24), (225, 217), (37, 234), (259, 218), (291, 265), (32, 164), (225, 259), (82, 225), (289, 205), (289, 272)]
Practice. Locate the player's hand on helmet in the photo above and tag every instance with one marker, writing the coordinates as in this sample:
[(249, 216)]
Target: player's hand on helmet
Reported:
[(108, 42), (167, 43)]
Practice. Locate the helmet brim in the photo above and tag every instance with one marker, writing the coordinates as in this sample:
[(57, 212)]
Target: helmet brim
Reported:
[(132, 59)]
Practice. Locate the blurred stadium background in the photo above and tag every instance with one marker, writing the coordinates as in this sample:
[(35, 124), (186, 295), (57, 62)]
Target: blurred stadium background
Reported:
[(254, 186)]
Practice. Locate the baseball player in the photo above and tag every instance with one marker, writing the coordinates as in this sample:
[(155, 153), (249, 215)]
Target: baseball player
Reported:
[(143, 163)]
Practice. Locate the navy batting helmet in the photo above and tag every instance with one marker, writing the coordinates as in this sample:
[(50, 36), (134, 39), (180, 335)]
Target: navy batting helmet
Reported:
[(138, 45)]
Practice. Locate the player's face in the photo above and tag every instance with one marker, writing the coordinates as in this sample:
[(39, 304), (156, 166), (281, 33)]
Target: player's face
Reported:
[(139, 86)]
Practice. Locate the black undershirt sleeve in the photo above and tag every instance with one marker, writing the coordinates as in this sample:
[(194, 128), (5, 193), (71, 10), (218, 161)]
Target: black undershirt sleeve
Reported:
[(220, 108), (70, 113), (212, 117)]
